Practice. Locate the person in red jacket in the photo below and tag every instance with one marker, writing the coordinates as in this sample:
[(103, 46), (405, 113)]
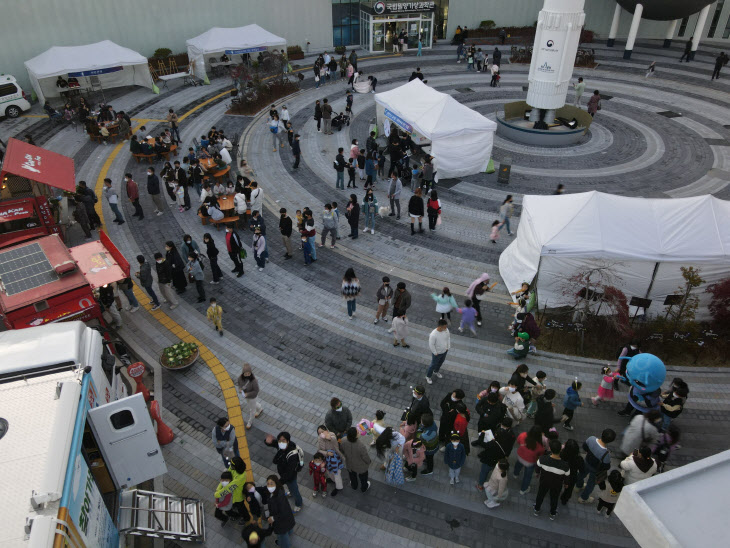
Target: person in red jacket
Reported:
[(133, 195), (530, 447), (461, 421), (319, 474)]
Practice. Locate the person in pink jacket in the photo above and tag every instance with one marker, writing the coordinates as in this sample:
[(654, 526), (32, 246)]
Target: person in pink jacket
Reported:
[(408, 427), (414, 454)]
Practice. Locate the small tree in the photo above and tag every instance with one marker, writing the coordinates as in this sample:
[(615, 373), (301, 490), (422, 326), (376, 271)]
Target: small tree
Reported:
[(488, 24), (689, 303), (589, 284), (720, 305)]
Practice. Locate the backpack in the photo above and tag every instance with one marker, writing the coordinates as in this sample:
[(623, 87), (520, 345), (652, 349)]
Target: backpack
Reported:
[(300, 455)]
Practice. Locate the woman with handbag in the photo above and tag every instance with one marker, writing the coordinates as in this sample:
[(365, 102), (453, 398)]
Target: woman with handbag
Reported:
[(277, 129), (594, 103), (433, 209), (195, 275), (212, 253)]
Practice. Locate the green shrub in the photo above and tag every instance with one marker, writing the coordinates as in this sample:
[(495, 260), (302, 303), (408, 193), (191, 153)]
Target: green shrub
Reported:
[(488, 24), (163, 52), (339, 50), (293, 49)]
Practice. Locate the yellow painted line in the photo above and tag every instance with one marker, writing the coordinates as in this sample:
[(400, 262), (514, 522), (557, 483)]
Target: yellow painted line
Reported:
[(227, 386), (33, 116), (201, 105)]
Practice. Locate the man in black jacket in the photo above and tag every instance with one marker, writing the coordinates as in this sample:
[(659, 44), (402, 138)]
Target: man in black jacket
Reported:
[(340, 168), (498, 448), (287, 464), (371, 144), (419, 404), (416, 211), (285, 227), (164, 279), (233, 246), (687, 50), (153, 189), (296, 150), (544, 416), (491, 412), (182, 179), (416, 74)]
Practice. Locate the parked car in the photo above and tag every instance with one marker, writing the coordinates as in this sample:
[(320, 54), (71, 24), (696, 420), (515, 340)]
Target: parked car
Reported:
[(12, 98)]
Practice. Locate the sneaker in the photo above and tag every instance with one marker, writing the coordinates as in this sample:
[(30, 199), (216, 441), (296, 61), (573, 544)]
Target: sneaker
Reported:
[(479, 324), (248, 426), (594, 402), (425, 472), (451, 481), (320, 245), (334, 493), (352, 317), (599, 510), (287, 493), (457, 480), (156, 307), (567, 427), (366, 229), (220, 332), (490, 504), (333, 247), (439, 375), (159, 213), (324, 494), (536, 513), (461, 330), (385, 320), (173, 306), (589, 500), (314, 494), (480, 488), (410, 479), (297, 509), (525, 491), (368, 487), (428, 380), (552, 517), (214, 283), (134, 309), (607, 516), (376, 320), (261, 270), (372, 231)]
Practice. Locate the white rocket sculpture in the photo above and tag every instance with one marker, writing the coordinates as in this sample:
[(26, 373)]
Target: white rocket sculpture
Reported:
[(553, 56)]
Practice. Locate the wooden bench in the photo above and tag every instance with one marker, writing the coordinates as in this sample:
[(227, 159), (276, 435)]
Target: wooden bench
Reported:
[(139, 157), (224, 221), (222, 173)]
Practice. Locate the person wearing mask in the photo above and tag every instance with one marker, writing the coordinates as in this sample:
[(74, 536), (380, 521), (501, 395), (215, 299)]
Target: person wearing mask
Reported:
[(144, 274), (512, 399), (224, 509), (402, 300), (394, 192), (112, 199), (419, 404), (133, 194), (519, 378), (189, 246), (177, 267), (357, 460), (416, 211), (554, 472), (234, 247), (285, 228), (340, 164), (249, 388), (164, 280), (329, 226), (496, 447), (439, 342), (597, 459), (195, 273), (281, 517), (626, 353), (328, 445), (448, 413), (224, 440), (338, 418), (353, 215), (638, 465), (296, 150), (491, 411), (383, 297), (545, 413), (260, 252), (370, 209), (212, 254), (288, 462)]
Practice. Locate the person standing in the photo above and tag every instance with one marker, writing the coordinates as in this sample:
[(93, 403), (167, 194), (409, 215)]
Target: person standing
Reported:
[(327, 116), (296, 150), (414, 453), (402, 300), (494, 450), (177, 266), (329, 224), (530, 448), (285, 228), (434, 210), (394, 191), (310, 232), (687, 50), (259, 248), (506, 210), (288, 463), (454, 458), (318, 114), (144, 274), (580, 87), (281, 516), (495, 75), (415, 211), (357, 460), (181, 179), (497, 57), (719, 62), (164, 280), (598, 459), (172, 120), (224, 439), (554, 473), (133, 195), (234, 246), (195, 272), (350, 291), (420, 46), (215, 315), (153, 189), (353, 216), (383, 297), (212, 254), (439, 342), (113, 200), (249, 388), (340, 165), (369, 209), (594, 103)]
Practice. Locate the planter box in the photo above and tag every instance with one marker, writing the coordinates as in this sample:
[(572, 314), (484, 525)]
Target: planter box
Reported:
[(191, 361), (295, 56)]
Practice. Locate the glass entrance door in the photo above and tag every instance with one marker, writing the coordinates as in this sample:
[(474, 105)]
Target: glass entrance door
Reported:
[(378, 36)]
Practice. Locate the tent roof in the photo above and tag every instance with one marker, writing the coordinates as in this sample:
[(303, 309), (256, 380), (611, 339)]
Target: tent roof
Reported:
[(62, 60), (432, 113), (221, 39), (45, 166), (607, 226)]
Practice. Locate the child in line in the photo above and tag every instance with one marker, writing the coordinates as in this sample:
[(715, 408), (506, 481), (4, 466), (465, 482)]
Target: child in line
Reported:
[(496, 488), (605, 389), (408, 427), (673, 402), (318, 471), (494, 236), (215, 315), (351, 173), (461, 421), (609, 492), (571, 402), (337, 216), (414, 454), (379, 421), (255, 499), (224, 499), (381, 163), (307, 250), (468, 317), (537, 390), (454, 457), (180, 196)]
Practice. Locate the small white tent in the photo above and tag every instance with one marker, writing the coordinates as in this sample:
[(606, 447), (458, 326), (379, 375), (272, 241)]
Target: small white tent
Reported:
[(114, 65), (645, 241), (237, 41), (461, 139)]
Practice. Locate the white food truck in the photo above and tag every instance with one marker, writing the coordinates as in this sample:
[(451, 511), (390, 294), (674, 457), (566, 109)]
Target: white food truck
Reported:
[(72, 443)]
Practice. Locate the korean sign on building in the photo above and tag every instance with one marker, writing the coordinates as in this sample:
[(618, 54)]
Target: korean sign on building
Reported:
[(382, 8)]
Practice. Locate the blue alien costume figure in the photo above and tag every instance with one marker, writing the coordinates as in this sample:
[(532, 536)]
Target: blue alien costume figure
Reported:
[(645, 373)]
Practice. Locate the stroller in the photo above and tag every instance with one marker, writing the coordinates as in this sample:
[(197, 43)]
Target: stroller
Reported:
[(340, 121)]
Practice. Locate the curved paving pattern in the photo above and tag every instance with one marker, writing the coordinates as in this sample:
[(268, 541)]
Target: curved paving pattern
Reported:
[(289, 321)]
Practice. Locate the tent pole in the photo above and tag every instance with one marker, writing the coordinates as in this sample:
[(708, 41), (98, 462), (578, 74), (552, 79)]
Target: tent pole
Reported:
[(651, 284), (534, 280)]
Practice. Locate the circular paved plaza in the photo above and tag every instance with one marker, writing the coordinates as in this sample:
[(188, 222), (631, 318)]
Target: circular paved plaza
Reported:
[(663, 136)]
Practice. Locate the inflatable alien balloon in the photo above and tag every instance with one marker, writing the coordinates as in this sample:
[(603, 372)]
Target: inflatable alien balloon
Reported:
[(645, 373)]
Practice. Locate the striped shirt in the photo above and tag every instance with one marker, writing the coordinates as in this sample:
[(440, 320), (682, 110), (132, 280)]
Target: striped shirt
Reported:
[(554, 471)]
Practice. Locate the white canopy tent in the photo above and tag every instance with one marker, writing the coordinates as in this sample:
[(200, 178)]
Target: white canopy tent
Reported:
[(236, 41), (461, 139), (645, 241), (112, 64)]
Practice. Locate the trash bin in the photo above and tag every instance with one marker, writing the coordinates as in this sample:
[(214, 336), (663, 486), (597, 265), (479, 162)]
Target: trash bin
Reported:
[(504, 168)]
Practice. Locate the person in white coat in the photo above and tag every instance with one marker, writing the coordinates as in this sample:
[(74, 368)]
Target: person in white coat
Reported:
[(514, 402), (638, 466), (439, 342), (642, 430), (257, 198)]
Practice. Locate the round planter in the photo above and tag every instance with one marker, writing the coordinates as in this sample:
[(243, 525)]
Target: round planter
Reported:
[(193, 358)]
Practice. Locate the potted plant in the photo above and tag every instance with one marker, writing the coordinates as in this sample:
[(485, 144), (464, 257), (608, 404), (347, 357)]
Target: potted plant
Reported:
[(179, 356), (294, 52), (339, 50), (162, 52)]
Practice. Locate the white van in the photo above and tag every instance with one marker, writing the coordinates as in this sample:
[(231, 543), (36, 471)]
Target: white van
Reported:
[(12, 97)]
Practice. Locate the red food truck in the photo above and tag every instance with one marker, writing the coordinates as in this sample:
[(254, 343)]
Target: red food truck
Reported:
[(42, 281), (27, 205)]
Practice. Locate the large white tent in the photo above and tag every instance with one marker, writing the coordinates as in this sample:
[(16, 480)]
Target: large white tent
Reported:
[(644, 241), (114, 65), (461, 139), (236, 41)]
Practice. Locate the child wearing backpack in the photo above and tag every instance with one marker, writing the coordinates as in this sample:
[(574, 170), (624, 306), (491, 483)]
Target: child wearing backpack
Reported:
[(537, 390), (609, 492), (571, 402), (605, 389), (318, 470)]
